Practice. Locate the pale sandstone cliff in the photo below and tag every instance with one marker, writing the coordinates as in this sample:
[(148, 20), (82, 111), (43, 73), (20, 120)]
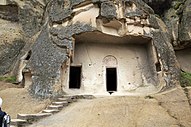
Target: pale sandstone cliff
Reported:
[(45, 29)]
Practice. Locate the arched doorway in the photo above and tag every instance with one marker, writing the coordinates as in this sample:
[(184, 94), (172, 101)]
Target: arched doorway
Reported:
[(110, 65)]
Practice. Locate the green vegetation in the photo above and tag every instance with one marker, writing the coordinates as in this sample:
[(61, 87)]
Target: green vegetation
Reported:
[(178, 4), (185, 79), (11, 79)]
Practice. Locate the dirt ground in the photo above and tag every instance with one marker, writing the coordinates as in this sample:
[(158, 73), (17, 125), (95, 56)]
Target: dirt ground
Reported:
[(17, 100), (170, 109)]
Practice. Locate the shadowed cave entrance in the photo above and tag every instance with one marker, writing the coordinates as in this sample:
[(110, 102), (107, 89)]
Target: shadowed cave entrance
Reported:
[(75, 77), (111, 80)]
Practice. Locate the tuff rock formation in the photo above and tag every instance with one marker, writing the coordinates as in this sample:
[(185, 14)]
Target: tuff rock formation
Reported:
[(49, 32)]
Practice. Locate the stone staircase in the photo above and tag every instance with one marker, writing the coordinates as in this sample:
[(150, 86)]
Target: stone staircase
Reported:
[(57, 105)]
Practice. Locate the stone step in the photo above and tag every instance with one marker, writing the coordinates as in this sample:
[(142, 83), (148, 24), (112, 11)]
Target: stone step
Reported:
[(33, 117), (79, 96), (88, 97), (56, 107), (64, 103), (71, 96), (65, 99), (50, 111), (70, 99), (62, 99), (73, 100), (19, 123), (13, 126)]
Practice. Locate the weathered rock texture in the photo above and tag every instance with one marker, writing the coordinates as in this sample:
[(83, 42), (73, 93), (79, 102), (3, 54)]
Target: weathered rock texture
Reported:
[(11, 42), (49, 28), (9, 12), (69, 18), (20, 23), (185, 23), (30, 15), (177, 19), (176, 15)]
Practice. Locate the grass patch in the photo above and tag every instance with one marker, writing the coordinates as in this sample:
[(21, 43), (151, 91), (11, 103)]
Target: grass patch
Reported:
[(11, 79), (185, 79)]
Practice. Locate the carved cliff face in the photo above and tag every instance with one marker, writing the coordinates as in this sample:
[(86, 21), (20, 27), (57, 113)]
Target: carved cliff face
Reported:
[(68, 21)]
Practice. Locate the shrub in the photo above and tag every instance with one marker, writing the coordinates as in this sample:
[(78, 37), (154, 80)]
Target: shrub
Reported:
[(11, 79), (185, 79)]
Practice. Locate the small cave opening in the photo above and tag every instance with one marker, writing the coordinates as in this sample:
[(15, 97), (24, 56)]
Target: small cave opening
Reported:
[(28, 55), (75, 77), (158, 67), (111, 80)]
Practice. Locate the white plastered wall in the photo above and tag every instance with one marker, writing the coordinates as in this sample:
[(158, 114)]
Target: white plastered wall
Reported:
[(132, 64), (3, 2)]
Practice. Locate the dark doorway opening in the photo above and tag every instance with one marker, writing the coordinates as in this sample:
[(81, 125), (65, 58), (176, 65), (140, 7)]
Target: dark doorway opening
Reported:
[(158, 67), (28, 55), (75, 77), (111, 79)]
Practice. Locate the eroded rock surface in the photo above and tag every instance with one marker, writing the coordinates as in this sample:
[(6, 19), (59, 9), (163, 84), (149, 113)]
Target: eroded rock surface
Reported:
[(118, 19), (48, 30), (10, 45), (175, 14), (184, 31), (20, 22)]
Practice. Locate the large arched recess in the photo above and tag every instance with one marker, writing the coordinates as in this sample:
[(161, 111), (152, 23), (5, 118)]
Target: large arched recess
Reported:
[(135, 63)]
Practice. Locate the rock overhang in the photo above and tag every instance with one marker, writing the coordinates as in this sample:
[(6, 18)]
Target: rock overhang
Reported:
[(99, 37), (105, 17), (131, 20), (90, 16)]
